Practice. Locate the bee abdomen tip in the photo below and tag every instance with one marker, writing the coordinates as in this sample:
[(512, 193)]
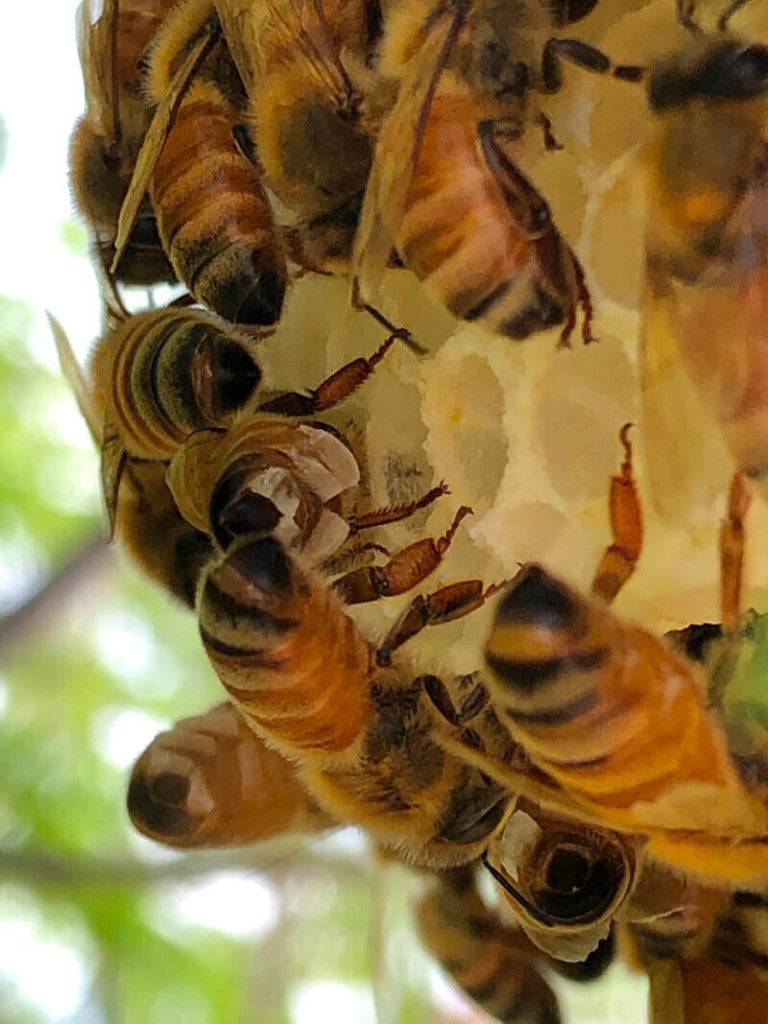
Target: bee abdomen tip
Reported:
[(535, 596)]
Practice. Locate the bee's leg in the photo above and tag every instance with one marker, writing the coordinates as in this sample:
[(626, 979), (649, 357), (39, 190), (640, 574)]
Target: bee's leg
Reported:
[(732, 554), (585, 300), (444, 605), (394, 513), (619, 559), (685, 10), (471, 706), (585, 56), (405, 570), (401, 333), (550, 142), (332, 390), (725, 17)]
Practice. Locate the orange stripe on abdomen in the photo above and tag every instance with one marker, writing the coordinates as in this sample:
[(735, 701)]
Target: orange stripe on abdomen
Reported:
[(307, 688)]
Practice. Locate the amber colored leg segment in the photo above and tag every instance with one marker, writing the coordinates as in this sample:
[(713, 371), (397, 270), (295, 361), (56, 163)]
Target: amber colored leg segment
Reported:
[(619, 560), (394, 513), (405, 570), (732, 553), (451, 602), (332, 390)]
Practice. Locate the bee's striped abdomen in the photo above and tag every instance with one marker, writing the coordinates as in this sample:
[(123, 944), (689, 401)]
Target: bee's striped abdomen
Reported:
[(172, 372), (214, 216), (611, 713), (290, 658)]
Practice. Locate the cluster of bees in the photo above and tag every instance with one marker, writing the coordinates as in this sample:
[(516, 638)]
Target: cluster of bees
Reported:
[(598, 773)]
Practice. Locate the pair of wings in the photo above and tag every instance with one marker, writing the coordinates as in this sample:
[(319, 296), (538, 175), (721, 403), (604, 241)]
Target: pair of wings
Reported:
[(111, 449)]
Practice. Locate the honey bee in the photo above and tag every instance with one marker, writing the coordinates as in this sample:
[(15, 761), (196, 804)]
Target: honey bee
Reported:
[(493, 963), (147, 523), (618, 720), (315, 102), (211, 781), (707, 273), (305, 678), (444, 191), (275, 472), (106, 140), (213, 214), (158, 377)]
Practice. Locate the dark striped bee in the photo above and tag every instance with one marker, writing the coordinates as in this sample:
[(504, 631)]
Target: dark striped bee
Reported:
[(146, 522), (707, 264), (159, 376), (213, 214), (106, 140), (445, 192), (618, 720)]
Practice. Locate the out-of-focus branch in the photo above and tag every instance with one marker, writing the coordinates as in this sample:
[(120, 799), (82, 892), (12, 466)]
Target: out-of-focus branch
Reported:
[(92, 558), (40, 868)]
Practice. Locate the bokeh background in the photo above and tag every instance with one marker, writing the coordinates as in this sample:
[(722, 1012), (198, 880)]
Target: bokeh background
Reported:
[(97, 925)]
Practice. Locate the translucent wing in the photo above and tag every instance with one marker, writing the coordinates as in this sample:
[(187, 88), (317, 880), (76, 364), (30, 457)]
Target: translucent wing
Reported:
[(309, 29), (397, 153), (73, 374), (687, 463), (238, 23), (151, 147), (97, 47), (113, 464)]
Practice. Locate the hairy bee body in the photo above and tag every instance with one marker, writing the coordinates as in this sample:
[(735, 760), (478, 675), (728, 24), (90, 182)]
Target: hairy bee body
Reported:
[(304, 677), (444, 190), (707, 268), (167, 373), (149, 528), (313, 102), (214, 217), (492, 963), (704, 951), (143, 513), (106, 140), (159, 376)]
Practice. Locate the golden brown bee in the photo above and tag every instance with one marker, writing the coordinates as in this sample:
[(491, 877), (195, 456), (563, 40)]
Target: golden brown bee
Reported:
[(707, 271), (362, 736), (160, 376), (314, 105), (211, 781), (213, 215), (618, 720), (493, 963), (106, 140), (146, 522), (444, 190)]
